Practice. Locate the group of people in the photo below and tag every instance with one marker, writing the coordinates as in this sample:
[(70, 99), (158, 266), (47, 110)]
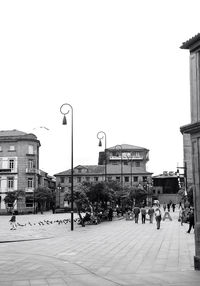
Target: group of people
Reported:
[(151, 212)]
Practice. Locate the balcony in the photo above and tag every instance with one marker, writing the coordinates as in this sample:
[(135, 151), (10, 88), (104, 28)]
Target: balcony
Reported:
[(32, 171), (116, 158), (8, 170)]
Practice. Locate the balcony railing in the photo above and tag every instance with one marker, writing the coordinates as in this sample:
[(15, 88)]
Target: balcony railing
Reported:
[(32, 171), (8, 170)]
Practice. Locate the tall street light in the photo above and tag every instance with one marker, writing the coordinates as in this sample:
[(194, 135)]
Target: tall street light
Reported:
[(100, 136), (120, 147), (130, 159), (65, 109)]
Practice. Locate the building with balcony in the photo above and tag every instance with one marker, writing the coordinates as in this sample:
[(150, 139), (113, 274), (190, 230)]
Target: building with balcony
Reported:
[(19, 168), (125, 164)]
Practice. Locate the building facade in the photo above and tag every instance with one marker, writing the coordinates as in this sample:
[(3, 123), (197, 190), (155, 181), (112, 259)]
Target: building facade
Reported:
[(19, 169), (125, 164), (166, 187), (193, 129)]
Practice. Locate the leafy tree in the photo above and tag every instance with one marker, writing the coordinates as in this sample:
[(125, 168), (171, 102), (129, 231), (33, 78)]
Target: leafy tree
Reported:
[(13, 197), (43, 195), (79, 197)]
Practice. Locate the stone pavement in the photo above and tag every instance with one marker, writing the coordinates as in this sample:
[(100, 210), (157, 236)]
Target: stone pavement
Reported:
[(111, 253)]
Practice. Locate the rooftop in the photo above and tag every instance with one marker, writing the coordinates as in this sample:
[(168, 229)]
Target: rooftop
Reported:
[(192, 43), (13, 132), (127, 147)]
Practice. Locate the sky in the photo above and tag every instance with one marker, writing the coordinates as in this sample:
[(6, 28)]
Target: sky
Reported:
[(118, 63)]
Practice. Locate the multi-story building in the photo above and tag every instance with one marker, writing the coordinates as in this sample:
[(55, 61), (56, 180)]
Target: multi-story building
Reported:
[(193, 129), (166, 187), (19, 168), (124, 163)]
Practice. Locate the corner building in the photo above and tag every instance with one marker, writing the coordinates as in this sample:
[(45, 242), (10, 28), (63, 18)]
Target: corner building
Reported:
[(19, 167)]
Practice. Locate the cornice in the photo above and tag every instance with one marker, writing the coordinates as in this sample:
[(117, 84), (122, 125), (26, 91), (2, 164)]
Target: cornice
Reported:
[(191, 128)]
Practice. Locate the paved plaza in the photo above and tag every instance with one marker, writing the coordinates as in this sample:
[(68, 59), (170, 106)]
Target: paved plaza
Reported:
[(43, 251)]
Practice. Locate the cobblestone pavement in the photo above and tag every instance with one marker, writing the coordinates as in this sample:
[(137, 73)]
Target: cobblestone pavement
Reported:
[(111, 253)]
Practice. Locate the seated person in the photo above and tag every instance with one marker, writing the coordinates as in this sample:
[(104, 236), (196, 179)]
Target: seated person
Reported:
[(87, 217)]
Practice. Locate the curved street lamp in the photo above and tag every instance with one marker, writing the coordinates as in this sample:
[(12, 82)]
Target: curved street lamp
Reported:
[(130, 159), (69, 107), (117, 147), (100, 136)]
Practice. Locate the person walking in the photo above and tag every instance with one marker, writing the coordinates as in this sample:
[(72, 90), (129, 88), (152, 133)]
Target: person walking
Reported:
[(13, 222), (168, 207), (136, 211), (181, 215), (164, 207), (110, 214), (191, 220), (158, 217), (173, 207), (151, 213), (143, 213)]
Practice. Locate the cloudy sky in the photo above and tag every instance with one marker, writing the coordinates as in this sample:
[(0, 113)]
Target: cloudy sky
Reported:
[(118, 63)]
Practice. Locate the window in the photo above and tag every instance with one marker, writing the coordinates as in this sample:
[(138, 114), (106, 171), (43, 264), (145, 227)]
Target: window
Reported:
[(109, 179), (125, 163), (70, 180), (10, 182), (30, 182), (96, 179), (118, 179), (144, 179), (11, 164), (79, 170), (0, 148), (12, 148), (135, 179), (79, 179), (30, 149), (62, 180), (30, 164), (29, 202), (126, 179), (137, 164), (87, 179)]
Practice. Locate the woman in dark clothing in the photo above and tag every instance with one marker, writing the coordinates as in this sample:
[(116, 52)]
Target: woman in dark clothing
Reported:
[(191, 220)]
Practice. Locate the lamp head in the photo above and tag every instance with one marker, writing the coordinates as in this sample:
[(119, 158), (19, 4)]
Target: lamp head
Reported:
[(64, 120), (100, 143)]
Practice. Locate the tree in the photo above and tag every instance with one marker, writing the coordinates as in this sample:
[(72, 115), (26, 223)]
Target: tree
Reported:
[(13, 198), (79, 197), (43, 195)]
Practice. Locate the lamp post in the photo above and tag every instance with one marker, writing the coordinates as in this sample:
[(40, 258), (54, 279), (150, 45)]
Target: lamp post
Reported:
[(117, 147), (185, 175), (69, 107), (100, 136), (129, 157), (59, 190)]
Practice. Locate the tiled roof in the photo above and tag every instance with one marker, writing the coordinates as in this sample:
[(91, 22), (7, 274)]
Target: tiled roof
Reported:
[(126, 147), (100, 169), (191, 42), (13, 132)]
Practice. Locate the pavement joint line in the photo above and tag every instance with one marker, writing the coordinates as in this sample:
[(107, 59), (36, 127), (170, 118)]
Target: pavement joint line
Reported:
[(22, 240)]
